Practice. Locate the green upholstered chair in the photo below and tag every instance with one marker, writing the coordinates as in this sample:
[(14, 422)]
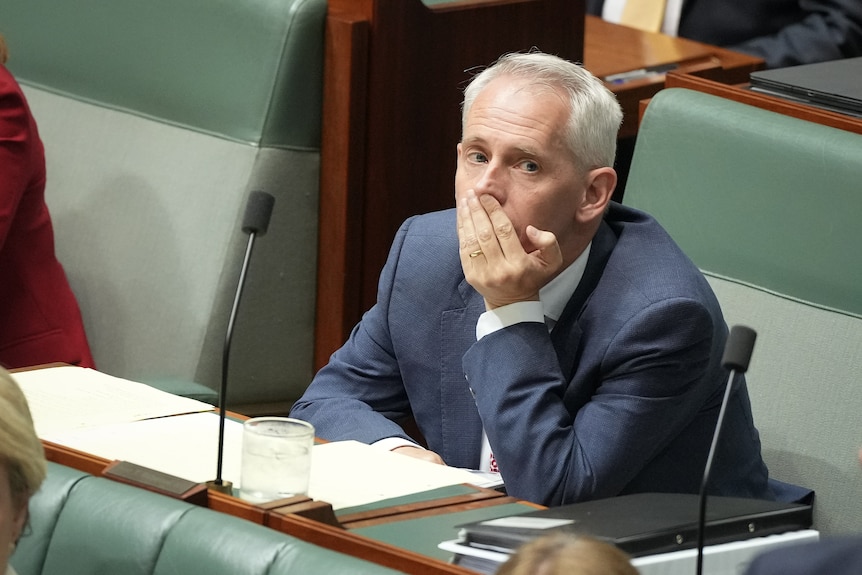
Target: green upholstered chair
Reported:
[(85, 524), (158, 119), (769, 207)]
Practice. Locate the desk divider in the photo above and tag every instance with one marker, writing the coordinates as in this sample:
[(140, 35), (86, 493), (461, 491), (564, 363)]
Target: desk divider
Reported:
[(315, 521), (442, 498)]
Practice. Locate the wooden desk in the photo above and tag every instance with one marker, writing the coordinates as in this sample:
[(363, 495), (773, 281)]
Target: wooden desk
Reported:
[(612, 49), (309, 528), (739, 92)]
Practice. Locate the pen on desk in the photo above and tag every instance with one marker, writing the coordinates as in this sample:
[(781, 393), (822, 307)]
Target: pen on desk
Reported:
[(639, 74)]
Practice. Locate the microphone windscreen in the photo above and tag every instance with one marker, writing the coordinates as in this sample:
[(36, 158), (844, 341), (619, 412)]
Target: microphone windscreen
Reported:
[(258, 209), (737, 350)]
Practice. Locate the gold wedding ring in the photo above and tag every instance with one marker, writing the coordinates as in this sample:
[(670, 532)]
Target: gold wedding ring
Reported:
[(476, 254)]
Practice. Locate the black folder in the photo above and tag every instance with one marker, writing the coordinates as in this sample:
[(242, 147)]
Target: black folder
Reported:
[(834, 85), (644, 523)]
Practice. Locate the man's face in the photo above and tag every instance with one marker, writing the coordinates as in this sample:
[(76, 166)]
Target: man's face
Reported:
[(513, 149)]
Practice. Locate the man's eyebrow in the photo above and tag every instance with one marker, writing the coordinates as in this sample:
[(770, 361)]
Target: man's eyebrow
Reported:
[(526, 150), (473, 140)]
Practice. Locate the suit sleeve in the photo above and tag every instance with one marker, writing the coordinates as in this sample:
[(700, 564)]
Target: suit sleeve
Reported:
[(832, 29), (642, 393), (360, 394)]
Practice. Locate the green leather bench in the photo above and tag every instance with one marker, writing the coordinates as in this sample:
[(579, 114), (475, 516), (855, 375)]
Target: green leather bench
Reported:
[(769, 207), (85, 524), (158, 119)]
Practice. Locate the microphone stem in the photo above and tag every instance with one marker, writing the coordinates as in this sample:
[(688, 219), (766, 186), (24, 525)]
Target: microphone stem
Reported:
[(701, 516), (226, 356)]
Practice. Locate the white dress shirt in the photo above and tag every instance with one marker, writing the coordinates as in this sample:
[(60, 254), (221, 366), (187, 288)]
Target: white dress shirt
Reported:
[(552, 301)]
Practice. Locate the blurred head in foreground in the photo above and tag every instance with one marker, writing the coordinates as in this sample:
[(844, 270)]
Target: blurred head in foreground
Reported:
[(565, 554)]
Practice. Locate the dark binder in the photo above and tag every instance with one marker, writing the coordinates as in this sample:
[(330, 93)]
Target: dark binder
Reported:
[(835, 85), (644, 523)]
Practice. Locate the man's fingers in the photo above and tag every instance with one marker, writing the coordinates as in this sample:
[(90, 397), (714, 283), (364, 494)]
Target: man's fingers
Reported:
[(503, 232), (547, 248), (467, 242), (482, 224)]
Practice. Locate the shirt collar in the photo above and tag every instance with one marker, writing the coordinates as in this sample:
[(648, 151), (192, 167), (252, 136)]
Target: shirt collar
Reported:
[(557, 293)]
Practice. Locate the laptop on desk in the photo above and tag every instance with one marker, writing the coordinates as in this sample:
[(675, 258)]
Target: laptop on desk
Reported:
[(645, 523), (834, 85)]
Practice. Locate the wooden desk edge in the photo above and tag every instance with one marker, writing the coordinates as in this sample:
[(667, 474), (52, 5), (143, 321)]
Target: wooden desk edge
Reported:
[(451, 503), (739, 93), (364, 547)]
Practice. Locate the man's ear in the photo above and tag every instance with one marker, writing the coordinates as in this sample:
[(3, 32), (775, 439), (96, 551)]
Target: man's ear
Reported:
[(599, 187)]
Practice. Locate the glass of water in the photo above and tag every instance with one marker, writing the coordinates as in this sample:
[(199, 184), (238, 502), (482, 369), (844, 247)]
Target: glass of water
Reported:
[(276, 458)]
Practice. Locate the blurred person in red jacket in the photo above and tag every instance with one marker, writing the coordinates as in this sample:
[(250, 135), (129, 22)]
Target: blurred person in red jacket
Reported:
[(39, 317)]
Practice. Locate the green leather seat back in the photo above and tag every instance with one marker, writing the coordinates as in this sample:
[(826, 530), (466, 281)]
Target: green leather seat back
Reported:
[(90, 525), (45, 509), (754, 195), (107, 527), (158, 119), (768, 206), (248, 71), (205, 541)]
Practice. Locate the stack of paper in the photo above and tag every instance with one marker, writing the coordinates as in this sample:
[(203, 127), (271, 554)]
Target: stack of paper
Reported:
[(117, 419)]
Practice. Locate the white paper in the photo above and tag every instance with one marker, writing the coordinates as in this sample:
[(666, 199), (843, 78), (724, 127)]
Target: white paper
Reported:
[(343, 473), (118, 419), (349, 473), (517, 522), (183, 445), (67, 398)]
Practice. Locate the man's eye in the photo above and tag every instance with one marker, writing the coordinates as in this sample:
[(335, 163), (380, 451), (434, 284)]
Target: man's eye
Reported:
[(478, 157), (529, 166)]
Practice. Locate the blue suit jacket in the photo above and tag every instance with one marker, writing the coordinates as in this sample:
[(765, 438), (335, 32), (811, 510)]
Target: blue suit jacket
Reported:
[(836, 556), (622, 397), (782, 32)]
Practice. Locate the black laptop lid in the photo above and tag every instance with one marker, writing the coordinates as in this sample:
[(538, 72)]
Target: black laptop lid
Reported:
[(645, 523), (836, 84)]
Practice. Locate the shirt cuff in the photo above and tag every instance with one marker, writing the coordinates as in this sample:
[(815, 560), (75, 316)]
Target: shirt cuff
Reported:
[(504, 316)]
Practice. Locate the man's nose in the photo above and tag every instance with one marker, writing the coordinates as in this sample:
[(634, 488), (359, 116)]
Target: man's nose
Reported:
[(492, 182)]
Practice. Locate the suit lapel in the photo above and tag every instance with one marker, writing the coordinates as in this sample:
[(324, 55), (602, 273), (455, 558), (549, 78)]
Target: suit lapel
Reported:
[(461, 425), (566, 335)]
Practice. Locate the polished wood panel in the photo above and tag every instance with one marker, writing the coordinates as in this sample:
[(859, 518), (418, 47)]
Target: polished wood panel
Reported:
[(478, 498), (739, 92), (613, 49), (391, 121)]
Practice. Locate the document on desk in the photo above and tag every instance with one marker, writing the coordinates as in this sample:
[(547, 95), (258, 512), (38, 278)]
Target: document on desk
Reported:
[(183, 445), (343, 473), (349, 473), (68, 397), (118, 419)]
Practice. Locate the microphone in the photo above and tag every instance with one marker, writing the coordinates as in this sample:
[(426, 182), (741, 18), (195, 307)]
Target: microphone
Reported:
[(255, 222), (737, 354)]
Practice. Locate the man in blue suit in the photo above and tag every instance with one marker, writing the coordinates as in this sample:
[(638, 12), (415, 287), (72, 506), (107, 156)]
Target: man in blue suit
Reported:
[(621, 395), (782, 32)]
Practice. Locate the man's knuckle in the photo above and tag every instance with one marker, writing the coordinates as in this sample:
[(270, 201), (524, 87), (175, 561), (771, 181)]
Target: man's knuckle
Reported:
[(504, 229)]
